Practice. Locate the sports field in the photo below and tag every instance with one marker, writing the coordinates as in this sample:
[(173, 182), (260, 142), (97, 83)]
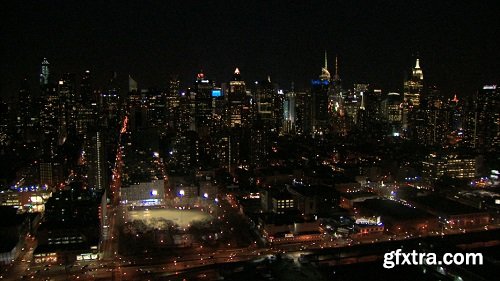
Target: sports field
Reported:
[(180, 217)]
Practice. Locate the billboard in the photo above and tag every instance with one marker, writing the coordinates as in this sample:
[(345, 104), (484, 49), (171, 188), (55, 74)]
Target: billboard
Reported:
[(216, 93)]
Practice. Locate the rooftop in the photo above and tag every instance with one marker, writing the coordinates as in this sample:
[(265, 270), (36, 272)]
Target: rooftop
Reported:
[(393, 209), (442, 205)]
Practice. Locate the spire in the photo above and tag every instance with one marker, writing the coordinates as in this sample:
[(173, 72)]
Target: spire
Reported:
[(326, 60), (417, 71), (132, 84), (325, 74), (336, 76), (269, 78), (237, 75), (336, 65), (455, 99)]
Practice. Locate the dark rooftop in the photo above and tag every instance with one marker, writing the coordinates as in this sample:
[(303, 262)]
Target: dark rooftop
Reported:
[(444, 205), (393, 209), (361, 194)]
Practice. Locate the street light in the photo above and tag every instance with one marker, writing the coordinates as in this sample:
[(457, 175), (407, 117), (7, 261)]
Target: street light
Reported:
[(181, 193)]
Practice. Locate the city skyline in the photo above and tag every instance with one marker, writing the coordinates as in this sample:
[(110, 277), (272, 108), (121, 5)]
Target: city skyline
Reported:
[(192, 140), (375, 43)]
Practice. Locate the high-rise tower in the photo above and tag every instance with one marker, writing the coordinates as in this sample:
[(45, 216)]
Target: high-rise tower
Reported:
[(486, 116), (413, 89), (236, 96), (203, 103), (95, 156), (44, 75), (27, 117), (414, 86), (319, 91)]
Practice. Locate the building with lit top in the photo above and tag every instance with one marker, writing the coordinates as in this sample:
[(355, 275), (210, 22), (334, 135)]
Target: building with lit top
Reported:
[(203, 104), (486, 119), (235, 91), (320, 91), (413, 87), (392, 112)]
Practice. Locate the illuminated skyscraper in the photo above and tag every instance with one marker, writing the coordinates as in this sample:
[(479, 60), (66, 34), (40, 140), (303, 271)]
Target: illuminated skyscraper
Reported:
[(289, 112), (49, 119), (486, 118), (336, 95), (95, 160), (391, 111), (44, 75), (412, 92), (303, 112), (414, 86), (172, 100), (319, 91), (429, 122), (268, 104), (69, 102), (203, 104), (236, 94), (5, 137)]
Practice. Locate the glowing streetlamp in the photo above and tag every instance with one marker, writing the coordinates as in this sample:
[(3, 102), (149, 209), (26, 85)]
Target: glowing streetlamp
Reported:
[(181, 193)]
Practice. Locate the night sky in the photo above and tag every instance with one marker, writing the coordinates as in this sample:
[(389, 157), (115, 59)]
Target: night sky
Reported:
[(376, 41)]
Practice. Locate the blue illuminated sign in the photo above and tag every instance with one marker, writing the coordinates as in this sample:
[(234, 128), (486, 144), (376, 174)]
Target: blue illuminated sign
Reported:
[(216, 93), (320, 82)]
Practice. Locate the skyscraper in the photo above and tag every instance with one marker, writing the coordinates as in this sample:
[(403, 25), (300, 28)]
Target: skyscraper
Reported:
[(172, 100), (319, 91), (289, 112), (69, 102), (111, 101), (95, 160), (27, 117), (391, 110), (44, 74), (414, 86), (412, 91), (486, 134), (203, 104), (5, 136), (267, 103), (49, 119), (87, 109), (236, 93)]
